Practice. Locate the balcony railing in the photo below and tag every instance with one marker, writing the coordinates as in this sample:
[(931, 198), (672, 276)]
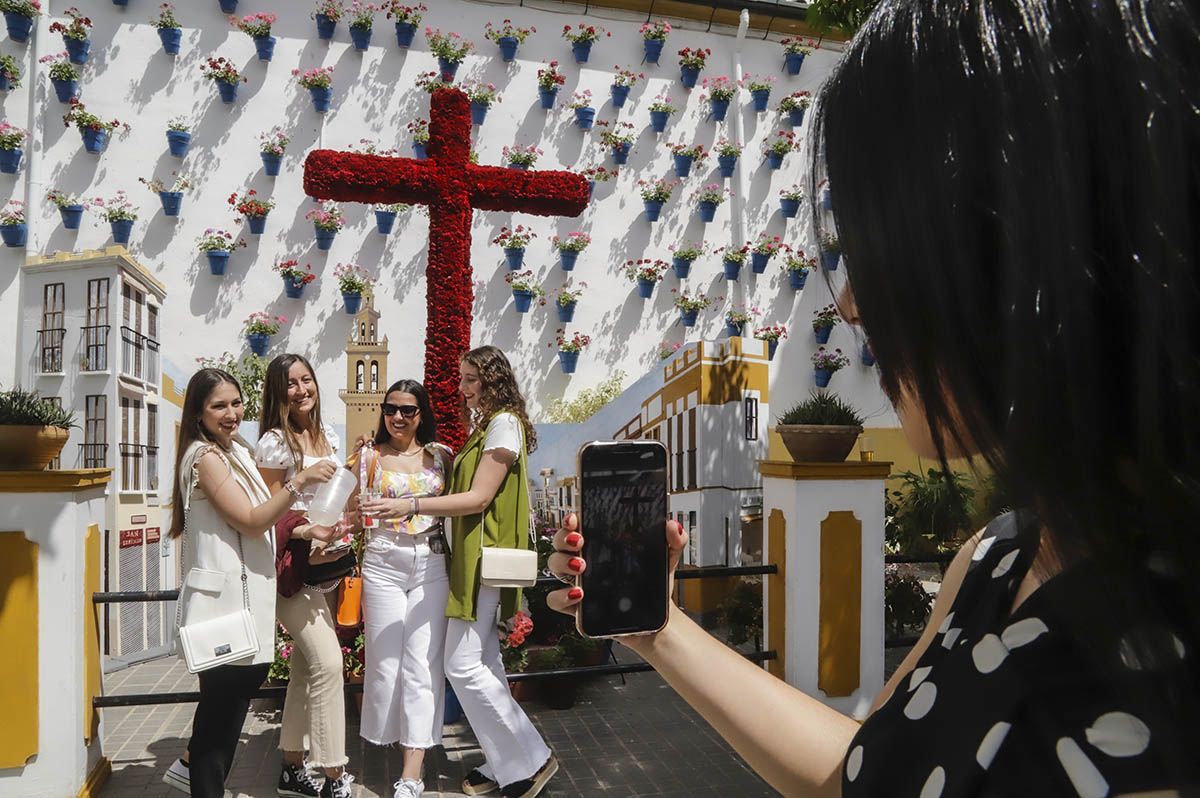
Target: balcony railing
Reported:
[(94, 455), (133, 463), (50, 348), (133, 348), (95, 347), (152, 469)]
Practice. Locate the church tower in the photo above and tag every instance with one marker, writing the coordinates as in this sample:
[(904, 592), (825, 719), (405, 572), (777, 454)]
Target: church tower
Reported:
[(366, 373)]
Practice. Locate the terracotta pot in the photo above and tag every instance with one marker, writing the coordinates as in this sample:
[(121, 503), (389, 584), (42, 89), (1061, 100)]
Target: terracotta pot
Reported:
[(814, 443), (523, 690), (29, 448)]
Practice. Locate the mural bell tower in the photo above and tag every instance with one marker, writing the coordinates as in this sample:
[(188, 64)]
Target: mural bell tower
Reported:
[(366, 373)]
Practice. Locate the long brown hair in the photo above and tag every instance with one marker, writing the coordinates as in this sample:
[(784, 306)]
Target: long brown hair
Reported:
[(499, 392), (276, 409), (191, 429)]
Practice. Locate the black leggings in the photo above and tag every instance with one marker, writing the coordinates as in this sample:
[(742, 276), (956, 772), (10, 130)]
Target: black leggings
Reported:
[(225, 693)]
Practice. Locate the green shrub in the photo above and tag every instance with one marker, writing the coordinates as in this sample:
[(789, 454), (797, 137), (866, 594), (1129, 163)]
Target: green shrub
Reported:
[(906, 604), (587, 403), (742, 612), (823, 408), (931, 512), (19, 407)]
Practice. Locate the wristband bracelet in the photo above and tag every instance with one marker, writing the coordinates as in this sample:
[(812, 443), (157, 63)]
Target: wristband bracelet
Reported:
[(291, 488), (416, 506)]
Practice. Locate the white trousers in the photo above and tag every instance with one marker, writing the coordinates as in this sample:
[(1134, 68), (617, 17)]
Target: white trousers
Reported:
[(405, 589), (511, 745)]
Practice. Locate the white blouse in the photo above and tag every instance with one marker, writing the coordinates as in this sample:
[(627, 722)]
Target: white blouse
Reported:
[(272, 452), (504, 432)]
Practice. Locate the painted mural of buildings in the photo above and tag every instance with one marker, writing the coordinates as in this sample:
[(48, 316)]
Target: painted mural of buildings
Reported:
[(366, 373)]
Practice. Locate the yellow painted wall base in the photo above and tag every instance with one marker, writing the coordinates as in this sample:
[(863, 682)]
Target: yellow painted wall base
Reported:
[(19, 631), (776, 631), (840, 610), (96, 779), (91, 631)]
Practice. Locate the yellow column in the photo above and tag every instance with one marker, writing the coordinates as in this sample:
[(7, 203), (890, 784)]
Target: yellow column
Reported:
[(19, 666), (91, 631), (840, 614), (776, 597)]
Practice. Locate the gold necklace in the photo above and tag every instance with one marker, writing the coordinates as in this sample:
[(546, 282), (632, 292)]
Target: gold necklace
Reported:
[(421, 450)]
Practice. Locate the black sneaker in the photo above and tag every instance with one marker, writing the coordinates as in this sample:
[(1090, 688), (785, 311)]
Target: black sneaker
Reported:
[(532, 786), (337, 788), (296, 781), (478, 784)]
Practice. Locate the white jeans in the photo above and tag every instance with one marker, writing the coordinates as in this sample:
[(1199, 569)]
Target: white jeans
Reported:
[(405, 589), (511, 745)]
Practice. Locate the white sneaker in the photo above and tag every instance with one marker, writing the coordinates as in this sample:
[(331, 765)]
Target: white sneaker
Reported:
[(179, 777), (409, 788)]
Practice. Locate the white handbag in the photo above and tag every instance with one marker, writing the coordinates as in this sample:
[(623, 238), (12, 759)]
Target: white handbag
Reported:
[(510, 567)]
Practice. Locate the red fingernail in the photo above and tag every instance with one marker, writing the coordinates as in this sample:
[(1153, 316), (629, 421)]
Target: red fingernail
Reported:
[(575, 593), (573, 539), (575, 564)]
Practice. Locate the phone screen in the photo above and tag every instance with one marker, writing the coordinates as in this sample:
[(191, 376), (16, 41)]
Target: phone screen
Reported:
[(623, 514)]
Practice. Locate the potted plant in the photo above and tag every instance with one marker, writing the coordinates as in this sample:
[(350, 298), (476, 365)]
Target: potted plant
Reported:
[(514, 634), (271, 147), (794, 105), (783, 143), (623, 81), (260, 326), (362, 21), (654, 37), (618, 137), (10, 73), (736, 318), (481, 96), (525, 288), (824, 320), (258, 27), (63, 76), (689, 306), (69, 207), (170, 194), (597, 174), (582, 37), (327, 15), (13, 228), (569, 349), (718, 93), (794, 52), (170, 32), (789, 201), (660, 112), (385, 216), (655, 194), (667, 349), (450, 48), (727, 156), (327, 220), (120, 214), (407, 19), (570, 247), (684, 155), (11, 139), (821, 429), (253, 209), (764, 249), (227, 77), (585, 112), (353, 282), (683, 257), (419, 130), (826, 363), (831, 251), (19, 16), (521, 157), (691, 61), (798, 265), (549, 79), (507, 37), (514, 242), (760, 90), (294, 278), (319, 82), (228, 6), (565, 300), (867, 354), (75, 35), (771, 335), (217, 246), (179, 136), (732, 259), (32, 430), (708, 198), (646, 273)]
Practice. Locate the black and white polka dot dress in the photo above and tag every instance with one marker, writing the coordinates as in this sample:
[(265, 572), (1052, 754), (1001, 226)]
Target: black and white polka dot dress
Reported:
[(1002, 703)]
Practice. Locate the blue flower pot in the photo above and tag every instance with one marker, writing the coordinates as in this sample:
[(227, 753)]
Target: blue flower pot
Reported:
[(321, 95), (325, 26), (591, 188), (774, 160), (620, 153), (404, 33), (581, 51), (771, 347), (178, 142), (18, 26), (733, 330), (94, 141), (522, 300), (65, 89), (797, 279), (822, 377), (792, 62), (789, 207), (688, 317), (585, 118), (508, 48), (829, 260), (822, 334), (171, 39), (78, 50), (419, 150), (658, 121), (567, 258), (683, 165), (760, 97), (547, 96), (5, 83), (228, 6), (448, 69), (384, 221), (10, 160), (566, 313), (653, 209), (866, 355), (361, 38), (324, 237), (352, 303), (688, 75), (653, 50), (514, 257), (257, 224), (731, 268), (218, 259), (727, 164), (72, 215), (717, 109), (258, 343), (294, 289), (619, 95), (121, 228), (796, 116), (228, 91), (645, 288), (758, 261), (568, 361), (478, 113), (681, 267), (521, 167), (120, 3), (265, 47), (708, 211), (271, 163), (826, 199), (172, 201), (14, 235)]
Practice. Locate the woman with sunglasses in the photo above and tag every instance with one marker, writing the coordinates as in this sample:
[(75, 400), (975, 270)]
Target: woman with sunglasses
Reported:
[(405, 585)]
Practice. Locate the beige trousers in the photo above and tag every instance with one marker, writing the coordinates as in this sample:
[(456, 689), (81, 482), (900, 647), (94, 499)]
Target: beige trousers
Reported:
[(314, 712)]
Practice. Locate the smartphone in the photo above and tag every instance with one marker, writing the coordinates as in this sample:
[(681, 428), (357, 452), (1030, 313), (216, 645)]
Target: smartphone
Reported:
[(623, 516)]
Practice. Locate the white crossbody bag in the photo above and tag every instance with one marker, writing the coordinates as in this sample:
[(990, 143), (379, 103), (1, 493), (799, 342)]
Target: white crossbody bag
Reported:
[(500, 567)]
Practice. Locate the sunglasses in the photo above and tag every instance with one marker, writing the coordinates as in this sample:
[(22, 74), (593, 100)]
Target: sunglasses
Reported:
[(407, 411)]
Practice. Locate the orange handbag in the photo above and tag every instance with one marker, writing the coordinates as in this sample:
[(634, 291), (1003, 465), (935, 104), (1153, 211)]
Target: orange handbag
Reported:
[(349, 602)]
